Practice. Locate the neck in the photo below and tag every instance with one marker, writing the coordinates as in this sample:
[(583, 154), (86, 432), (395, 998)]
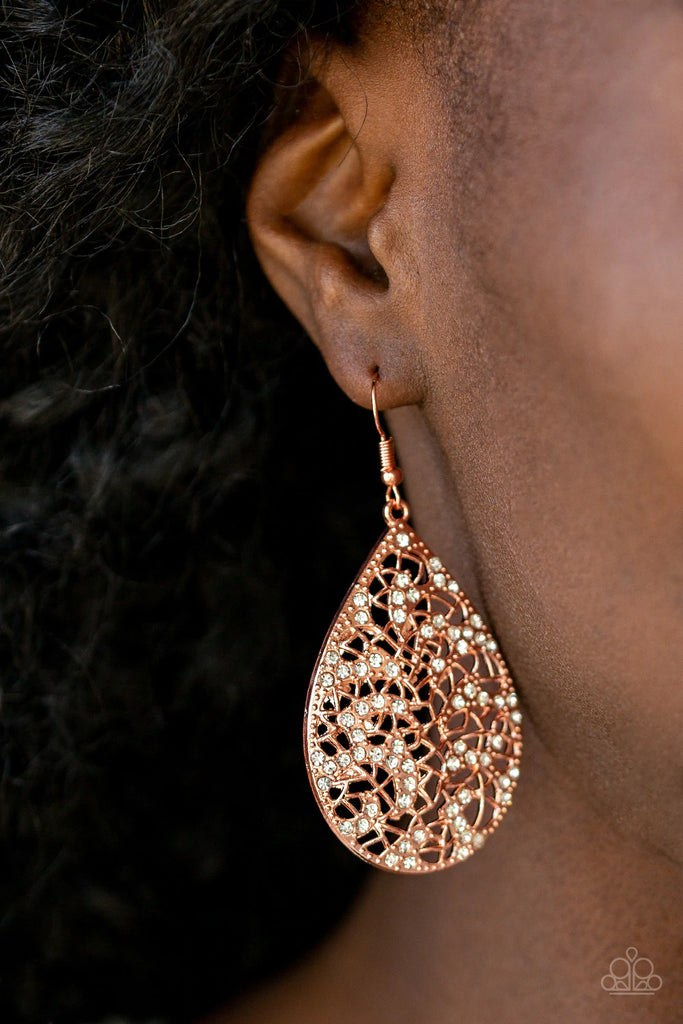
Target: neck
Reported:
[(525, 930)]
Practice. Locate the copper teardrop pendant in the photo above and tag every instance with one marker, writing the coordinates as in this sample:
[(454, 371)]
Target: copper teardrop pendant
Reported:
[(412, 732)]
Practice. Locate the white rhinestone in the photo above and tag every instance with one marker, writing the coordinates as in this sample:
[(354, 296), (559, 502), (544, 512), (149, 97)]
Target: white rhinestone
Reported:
[(480, 639), (362, 825), (470, 690), (402, 580), (324, 783), (392, 761), (410, 784), (471, 757), (375, 659), (346, 827), (343, 760), (372, 810), (419, 835), (453, 587), (362, 707), (359, 753), (332, 657), (499, 700), (460, 747), (357, 735), (403, 540), (327, 679), (317, 757), (467, 633), (438, 664), (413, 594), (390, 859), (343, 671), (368, 726), (512, 700), (347, 719), (513, 772), (439, 621), (435, 564), (463, 853), (465, 796), (360, 599), (462, 647), (466, 836), (478, 840), (361, 617), (485, 759), (375, 753), (459, 702), (476, 621), (408, 766), (398, 615), (516, 717), (439, 580), (460, 823), (483, 698), (392, 669), (409, 862), (506, 797), (398, 706), (404, 846), (330, 767), (427, 630), (404, 800), (497, 742), (491, 645), (453, 633), (453, 763), (398, 597), (504, 782), (452, 811), (361, 669), (377, 700)]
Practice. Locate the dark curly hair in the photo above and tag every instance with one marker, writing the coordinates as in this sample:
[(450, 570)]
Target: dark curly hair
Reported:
[(171, 547)]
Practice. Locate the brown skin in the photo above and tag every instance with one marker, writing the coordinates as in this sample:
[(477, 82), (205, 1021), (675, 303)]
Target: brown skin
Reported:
[(518, 178)]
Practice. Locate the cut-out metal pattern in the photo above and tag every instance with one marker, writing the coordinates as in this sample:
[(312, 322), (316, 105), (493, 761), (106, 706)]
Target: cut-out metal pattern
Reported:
[(412, 731)]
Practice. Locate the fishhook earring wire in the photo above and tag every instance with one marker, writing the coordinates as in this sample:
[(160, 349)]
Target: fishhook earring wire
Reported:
[(395, 507)]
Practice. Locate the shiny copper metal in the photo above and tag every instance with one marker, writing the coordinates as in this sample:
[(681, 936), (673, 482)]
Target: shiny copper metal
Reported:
[(395, 508), (412, 731), (387, 457), (373, 399)]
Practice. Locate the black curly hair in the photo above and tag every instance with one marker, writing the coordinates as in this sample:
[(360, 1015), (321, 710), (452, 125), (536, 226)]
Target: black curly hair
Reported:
[(171, 546)]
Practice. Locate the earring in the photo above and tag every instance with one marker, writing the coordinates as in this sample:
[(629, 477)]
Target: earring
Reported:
[(412, 733)]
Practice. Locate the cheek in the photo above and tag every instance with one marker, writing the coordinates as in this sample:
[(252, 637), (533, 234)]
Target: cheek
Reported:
[(573, 222), (587, 248)]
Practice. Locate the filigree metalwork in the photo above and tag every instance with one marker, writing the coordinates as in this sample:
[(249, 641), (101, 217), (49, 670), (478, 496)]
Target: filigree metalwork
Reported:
[(412, 732)]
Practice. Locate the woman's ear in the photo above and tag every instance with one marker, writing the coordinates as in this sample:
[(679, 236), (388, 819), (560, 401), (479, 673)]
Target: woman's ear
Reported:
[(315, 210)]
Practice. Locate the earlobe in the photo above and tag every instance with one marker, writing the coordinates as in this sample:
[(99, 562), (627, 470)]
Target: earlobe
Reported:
[(317, 190)]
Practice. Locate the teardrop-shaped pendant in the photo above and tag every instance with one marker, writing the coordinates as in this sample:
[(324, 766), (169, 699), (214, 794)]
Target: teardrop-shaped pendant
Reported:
[(412, 733)]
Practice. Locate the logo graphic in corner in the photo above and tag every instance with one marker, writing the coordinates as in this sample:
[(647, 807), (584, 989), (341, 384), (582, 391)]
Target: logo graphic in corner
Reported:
[(631, 975)]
